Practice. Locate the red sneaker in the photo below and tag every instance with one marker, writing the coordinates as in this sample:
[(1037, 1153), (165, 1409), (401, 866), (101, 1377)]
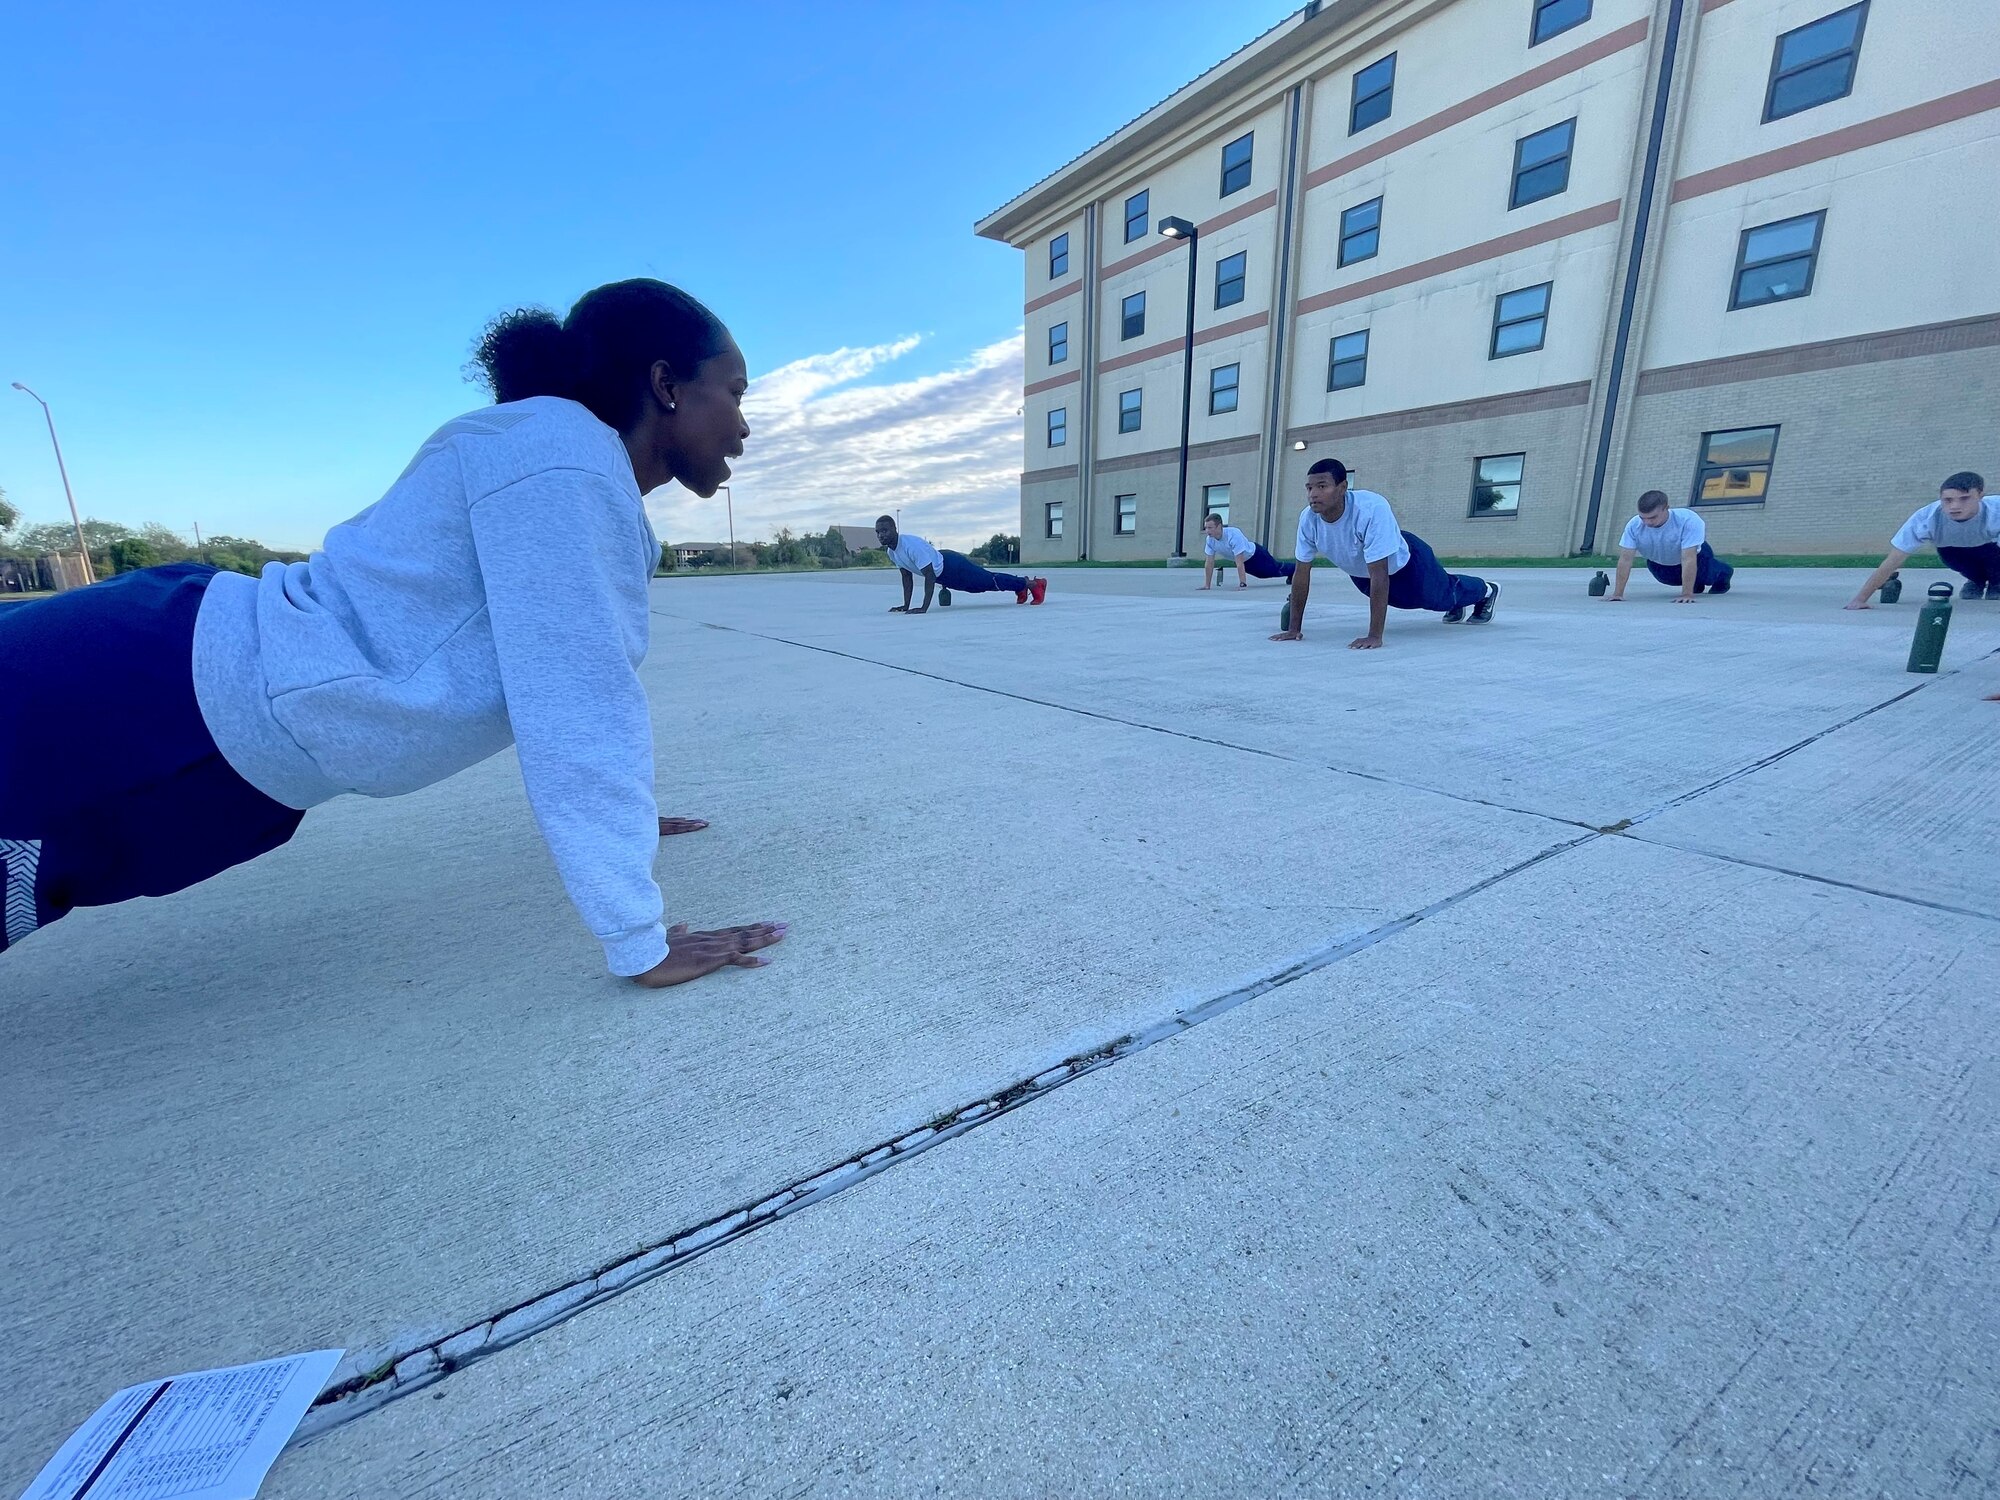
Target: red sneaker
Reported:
[(1039, 587), (1020, 596)]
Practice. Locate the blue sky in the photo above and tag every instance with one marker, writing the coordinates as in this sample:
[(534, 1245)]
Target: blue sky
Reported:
[(245, 249)]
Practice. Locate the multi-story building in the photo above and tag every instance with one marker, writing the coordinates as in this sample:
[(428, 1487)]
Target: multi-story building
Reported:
[(1516, 261)]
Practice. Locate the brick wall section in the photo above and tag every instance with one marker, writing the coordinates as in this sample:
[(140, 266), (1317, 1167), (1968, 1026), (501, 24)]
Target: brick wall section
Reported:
[(1861, 446)]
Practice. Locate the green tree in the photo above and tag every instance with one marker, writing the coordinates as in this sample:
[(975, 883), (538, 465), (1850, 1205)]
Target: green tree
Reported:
[(131, 553), (10, 515)]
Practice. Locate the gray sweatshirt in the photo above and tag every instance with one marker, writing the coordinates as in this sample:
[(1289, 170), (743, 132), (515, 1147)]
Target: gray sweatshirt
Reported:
[(496, 594)]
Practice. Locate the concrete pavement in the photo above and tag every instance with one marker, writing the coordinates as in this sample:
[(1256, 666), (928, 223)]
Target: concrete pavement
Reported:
[(373, 1091)]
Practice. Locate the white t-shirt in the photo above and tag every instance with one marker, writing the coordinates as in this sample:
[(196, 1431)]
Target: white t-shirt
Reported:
[(1366, 532), (1232, 543), (1931, 524), (1664, 543), (915, 554)]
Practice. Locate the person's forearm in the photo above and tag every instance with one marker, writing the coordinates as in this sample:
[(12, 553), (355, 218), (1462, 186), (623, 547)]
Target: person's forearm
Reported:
[(1881, 575), (906, 587), (1378, 599), (1624, 573), (1690, 566), (1302, 585), (930, 585), (1207, 572)]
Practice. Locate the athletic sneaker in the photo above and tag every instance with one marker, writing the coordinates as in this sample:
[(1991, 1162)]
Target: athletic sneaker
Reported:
[(1452, 616), (1020, 596), (1483, 610), (1973, 590), (1722, 587), (1039, 588)]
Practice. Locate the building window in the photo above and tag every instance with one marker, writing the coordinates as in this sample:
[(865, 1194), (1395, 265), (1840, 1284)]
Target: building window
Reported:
[(1735, 467), (1229, 278), (1774, 262), (1348, 364), (1222, 382), (1520, 321), (1059, 343), (1815, 63), (1128, 410), (1374, 93), (1132, 316), (1058, 426), (1215, 502), (1135, 215), (1059, 256), (1541, 164), (1360, 231), (1126, 522), (1554, 17), (1496, 484), (1236, 165), (1052, 518)]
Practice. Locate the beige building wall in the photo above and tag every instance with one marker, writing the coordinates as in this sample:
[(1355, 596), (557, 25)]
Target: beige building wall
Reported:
[(1883, 374)]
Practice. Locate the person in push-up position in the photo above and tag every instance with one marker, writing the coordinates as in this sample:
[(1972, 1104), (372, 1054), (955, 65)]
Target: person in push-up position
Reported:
[(1252, 559), (944, 571), (1674, 542)]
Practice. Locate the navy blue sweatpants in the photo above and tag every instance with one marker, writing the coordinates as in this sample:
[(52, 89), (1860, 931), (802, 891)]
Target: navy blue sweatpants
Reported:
[(110, 785), (1710, 571), (1422, 582), (964, 576), (1260, 564), (1980, 564)]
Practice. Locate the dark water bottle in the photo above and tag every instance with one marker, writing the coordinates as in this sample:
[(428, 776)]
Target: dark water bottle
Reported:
[(1285, 616), (1893, 589), (1600, 585), (1933, 620)]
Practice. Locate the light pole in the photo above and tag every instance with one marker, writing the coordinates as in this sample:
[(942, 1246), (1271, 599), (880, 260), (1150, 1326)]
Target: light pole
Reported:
[(1180, 229), (63, 469), (729, 499)]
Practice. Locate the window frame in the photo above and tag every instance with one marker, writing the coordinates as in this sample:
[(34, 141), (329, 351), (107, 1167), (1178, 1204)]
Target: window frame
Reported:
[(1356, 99), (1853, 62), (1472, 510), (1144, 198), (1241, 278), (1052, 519), (1208, 505), (1540, 7), (1248, 140), (1126, 332), (1342, 258), (1118, 526), (1702, 466), (1736, 302), (1062, 254), (1334, 360), (1548, 303), (1235, 389), (1057, 423), (1514, 198), (1063, 328), (1136, 411)]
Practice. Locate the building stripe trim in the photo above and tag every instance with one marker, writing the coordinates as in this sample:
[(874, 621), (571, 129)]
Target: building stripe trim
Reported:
[(1201, 336), (1893, 126), (1919, 342), (1438, 265), (1043, 476), (1049, 297), (1160, 246), (1608, 45), (1480, 408), (1216, 448), (1051, 383)]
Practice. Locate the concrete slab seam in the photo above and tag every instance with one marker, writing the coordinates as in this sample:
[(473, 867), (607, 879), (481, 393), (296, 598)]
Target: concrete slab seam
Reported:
[(424, 1365), (1846, 885)]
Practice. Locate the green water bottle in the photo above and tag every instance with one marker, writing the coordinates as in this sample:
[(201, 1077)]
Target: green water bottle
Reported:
[(1285, 616), (1600, 584), (1933, 620), (1893, 589)]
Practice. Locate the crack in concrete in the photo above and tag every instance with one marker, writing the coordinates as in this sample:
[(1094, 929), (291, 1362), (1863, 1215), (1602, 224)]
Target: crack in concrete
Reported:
[(427, 1364)]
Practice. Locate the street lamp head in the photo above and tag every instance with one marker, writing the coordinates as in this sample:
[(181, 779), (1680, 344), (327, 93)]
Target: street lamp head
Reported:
[(1177, 229)]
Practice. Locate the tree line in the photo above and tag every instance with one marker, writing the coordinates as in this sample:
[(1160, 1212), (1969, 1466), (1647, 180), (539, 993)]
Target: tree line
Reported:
[(787, 550), (124, 549)]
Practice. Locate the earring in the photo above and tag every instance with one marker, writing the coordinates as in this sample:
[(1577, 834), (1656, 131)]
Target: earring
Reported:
[(670, 406)]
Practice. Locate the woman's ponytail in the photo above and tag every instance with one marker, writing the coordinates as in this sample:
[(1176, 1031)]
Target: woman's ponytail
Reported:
[(525, 353)]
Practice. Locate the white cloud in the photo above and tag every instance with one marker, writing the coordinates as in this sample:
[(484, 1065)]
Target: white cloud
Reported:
[(944, 450)]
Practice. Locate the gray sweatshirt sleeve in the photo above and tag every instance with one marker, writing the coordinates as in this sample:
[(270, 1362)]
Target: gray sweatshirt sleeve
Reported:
[(560, 555)]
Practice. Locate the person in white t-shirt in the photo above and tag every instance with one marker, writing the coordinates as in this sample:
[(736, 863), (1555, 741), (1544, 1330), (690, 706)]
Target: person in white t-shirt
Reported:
[(1963, 523), (1356, 531), (1252, 559), (1674, 542), (944, 571)]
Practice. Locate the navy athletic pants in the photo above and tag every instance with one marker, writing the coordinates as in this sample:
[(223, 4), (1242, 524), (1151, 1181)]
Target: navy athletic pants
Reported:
[(1980, 564), (964, 576), (1423, 583), (1710, 571), (1260, 564)]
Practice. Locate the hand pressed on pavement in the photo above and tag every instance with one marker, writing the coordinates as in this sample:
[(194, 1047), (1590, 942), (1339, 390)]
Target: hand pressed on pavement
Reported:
[(1365, 643), (693, 954), (669, 826)]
